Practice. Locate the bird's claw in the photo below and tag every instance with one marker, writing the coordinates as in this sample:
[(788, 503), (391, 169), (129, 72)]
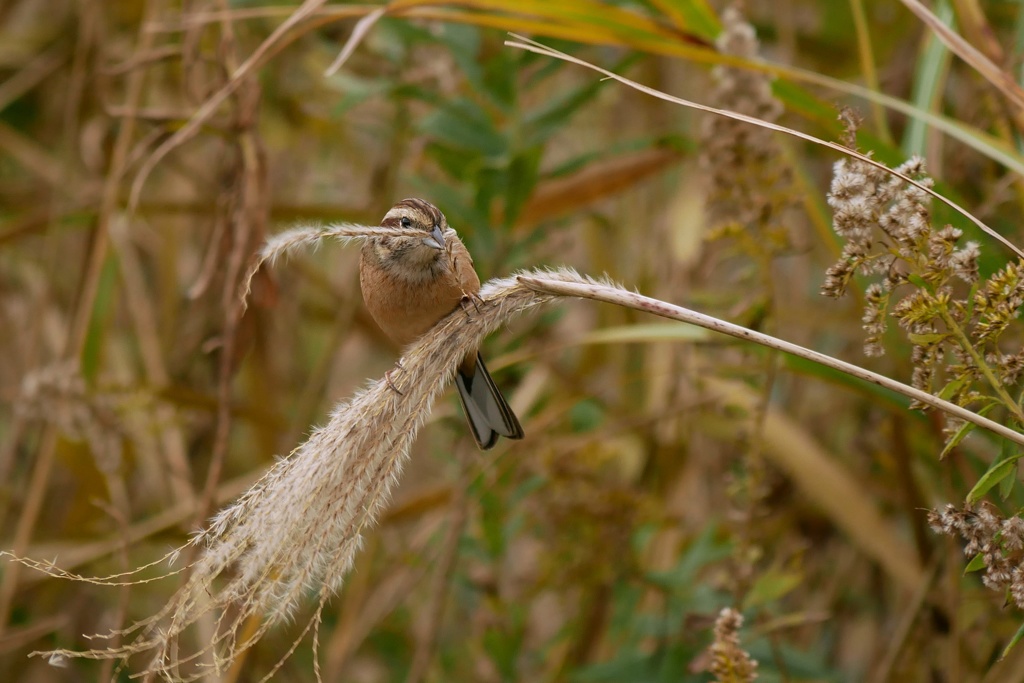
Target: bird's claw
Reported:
[(473, 299), (387, 378)]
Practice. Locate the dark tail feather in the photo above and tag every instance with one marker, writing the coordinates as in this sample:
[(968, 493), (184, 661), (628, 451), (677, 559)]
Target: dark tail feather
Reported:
[(488, 414)]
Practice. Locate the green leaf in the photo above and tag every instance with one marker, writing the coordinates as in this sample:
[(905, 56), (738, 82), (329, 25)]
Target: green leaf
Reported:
[(503, 641), (645, 333), (394, 37), (771, 586), (801, 101), (920, 282), (1006, 487), (952, 388), (576, 163), (356, 90), (456, 163), (492, 523), (500, 81), (1013, 641), (970, 301), (463, 124), (522, 178), (826, 374), (586, 415), (967, 427), (927, 339), (698, 17), (544, 121), (463, 42), (491, 183), (494, 77), (100, 318), (458, 209), (1007, 484), (625, 666), (928, 81), (996, 473), (977, 563), (964, 430), (704, 550)]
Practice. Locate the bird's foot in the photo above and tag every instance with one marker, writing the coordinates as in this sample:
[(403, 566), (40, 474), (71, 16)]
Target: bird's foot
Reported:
[(387, 378), (470, 299)]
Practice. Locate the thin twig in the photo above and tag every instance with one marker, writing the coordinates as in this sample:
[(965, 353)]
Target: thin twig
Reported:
[(541, 49), (362, 27), (666, 310), (210, 106)]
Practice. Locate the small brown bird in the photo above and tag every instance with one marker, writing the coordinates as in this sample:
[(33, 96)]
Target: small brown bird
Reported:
[(410, 283)]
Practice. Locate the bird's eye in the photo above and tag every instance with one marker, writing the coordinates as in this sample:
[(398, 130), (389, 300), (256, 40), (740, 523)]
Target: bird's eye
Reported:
[(406, 223)]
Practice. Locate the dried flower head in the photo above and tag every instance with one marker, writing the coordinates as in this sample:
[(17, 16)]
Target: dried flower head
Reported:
[(997, 302), (730, 663), (926, 271), (876, 300), (58, 394), (996, 540), (750, 181), (864, 201)]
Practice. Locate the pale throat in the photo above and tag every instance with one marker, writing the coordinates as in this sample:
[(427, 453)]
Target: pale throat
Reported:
[(415, 263)]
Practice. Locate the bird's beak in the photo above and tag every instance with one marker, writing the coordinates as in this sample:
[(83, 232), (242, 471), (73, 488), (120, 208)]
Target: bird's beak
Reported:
[(436, 239)]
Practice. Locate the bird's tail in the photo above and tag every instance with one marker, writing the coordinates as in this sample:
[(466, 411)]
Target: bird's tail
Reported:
[(486, 409)]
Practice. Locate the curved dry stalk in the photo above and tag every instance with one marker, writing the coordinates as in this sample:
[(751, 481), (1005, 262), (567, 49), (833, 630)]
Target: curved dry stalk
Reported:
[(621, 297), (362, 27), (295, 533), (539, 48), (285, 243)]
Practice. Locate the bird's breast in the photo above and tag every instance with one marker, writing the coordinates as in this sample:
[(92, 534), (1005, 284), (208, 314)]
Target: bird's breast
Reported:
[(406, 309)]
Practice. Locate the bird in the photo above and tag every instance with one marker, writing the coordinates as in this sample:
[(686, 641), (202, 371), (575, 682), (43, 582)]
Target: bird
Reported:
[(410, 282)]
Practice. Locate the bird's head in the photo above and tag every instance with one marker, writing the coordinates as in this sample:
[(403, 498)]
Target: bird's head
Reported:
[(425, 247)]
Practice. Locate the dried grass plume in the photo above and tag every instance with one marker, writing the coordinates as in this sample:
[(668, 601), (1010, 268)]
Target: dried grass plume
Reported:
[(295, 533)]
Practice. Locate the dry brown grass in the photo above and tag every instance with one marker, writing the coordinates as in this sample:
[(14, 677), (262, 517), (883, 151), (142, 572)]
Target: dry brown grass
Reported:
[(147, 151)]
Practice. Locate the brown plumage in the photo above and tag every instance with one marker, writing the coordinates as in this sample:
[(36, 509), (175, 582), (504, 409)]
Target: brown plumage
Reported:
[(409, 283)]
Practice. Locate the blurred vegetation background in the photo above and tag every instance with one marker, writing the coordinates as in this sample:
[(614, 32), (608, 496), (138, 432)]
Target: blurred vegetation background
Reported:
[(148, 148)]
